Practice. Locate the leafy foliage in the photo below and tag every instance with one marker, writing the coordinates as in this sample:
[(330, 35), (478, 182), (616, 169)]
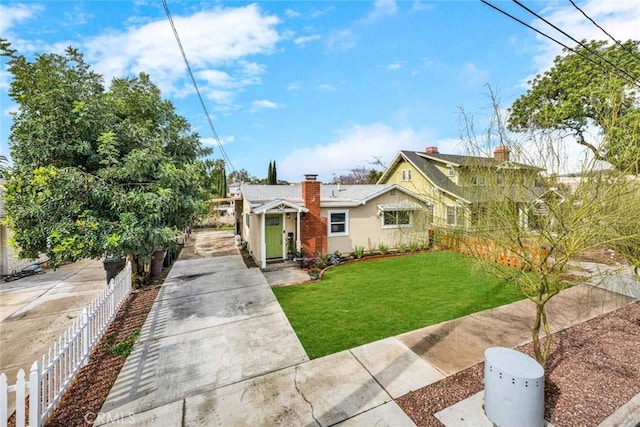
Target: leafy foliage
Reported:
[(576, 94), (96, 171)]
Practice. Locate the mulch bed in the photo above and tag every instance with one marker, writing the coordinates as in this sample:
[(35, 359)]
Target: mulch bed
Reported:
[(593, 369)]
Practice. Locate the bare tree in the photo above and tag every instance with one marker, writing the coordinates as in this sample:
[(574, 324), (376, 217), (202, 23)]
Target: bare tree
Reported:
[(518, 208)]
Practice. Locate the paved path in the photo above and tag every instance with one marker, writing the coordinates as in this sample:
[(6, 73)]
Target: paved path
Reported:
[(36, 310), (217, 350)]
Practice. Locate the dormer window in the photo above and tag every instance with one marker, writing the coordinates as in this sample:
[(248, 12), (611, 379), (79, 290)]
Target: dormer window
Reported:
[(452, 171)]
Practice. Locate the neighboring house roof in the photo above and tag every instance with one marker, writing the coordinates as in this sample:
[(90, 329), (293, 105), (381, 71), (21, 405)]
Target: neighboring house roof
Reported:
[(331, 195), (425, 163)]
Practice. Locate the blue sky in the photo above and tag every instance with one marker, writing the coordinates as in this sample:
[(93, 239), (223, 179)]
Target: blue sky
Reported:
[(319, 87)]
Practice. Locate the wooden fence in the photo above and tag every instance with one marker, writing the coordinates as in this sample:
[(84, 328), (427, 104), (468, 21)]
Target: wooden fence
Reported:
[(488, 250), (49, 379)]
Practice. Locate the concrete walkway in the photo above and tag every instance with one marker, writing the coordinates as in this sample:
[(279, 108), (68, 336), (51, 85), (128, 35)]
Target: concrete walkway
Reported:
[(217, 349)]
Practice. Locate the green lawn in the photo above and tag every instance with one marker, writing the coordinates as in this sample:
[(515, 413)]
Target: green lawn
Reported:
[(366, 301)]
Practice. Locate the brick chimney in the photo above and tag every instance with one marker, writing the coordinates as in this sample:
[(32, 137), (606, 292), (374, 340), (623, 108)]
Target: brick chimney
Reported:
[(501, 153), (432, 150), (313, 228)]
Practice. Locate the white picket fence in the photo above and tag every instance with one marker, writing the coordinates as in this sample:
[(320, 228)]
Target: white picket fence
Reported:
[(49, 380)]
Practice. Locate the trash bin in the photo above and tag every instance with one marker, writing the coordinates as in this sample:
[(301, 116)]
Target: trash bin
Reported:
[(113, 266), (157, 259), (513, 388)]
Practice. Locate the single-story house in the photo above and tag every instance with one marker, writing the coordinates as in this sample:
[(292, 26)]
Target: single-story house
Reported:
[(325, 218)]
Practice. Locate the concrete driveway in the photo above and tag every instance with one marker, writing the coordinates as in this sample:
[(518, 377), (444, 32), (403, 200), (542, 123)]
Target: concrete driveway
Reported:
[(217, 350), (36, 310)]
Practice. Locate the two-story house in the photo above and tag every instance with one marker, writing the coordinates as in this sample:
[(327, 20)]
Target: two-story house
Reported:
[(460, 185)]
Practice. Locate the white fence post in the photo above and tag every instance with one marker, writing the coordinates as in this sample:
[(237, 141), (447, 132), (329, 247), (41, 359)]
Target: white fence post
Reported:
[(85, 336), (34, 395), (20, 395), (4, 392)]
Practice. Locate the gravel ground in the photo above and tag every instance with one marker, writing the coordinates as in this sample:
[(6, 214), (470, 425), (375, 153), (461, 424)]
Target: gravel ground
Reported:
[(592, 370)]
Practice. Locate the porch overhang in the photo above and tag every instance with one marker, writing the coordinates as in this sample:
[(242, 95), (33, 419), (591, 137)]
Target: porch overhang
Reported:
[(279, 206)]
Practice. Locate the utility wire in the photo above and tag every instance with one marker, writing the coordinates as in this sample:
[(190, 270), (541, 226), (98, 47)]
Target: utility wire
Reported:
[(195, 85), (604, 31), (587, 48), (547, 36)]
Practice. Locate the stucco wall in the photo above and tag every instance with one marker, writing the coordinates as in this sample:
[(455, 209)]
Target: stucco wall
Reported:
[(365, 226)]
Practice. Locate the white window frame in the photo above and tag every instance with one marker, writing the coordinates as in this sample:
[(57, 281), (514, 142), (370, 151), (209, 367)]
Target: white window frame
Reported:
[(406, 174), (452, 171), (346, 223), (397, 225), (458, 216)]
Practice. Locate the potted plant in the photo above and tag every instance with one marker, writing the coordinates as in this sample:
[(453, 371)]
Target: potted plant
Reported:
[(299, 257), (314, 273)]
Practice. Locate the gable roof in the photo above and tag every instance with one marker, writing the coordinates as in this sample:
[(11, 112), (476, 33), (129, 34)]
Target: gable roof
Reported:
[(425, 164), (331, 195)]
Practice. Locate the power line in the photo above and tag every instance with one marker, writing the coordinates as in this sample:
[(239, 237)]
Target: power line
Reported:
[(195, 85), (546, 35), (588, 49), (604, 31)]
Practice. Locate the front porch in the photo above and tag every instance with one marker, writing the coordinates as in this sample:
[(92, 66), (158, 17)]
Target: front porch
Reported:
[(279, 230)]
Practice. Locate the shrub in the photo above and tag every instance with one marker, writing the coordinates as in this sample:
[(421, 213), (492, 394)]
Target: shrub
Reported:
[(358, 251), (383, 249)]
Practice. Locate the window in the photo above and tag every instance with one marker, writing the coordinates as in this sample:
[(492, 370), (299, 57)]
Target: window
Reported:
[(477, 180), (499, 178), (246, 219), (406, 174), (272, 221), (451, 215), (430, 214), (452, 171), (395, 219), (338, 223), (455, 215)]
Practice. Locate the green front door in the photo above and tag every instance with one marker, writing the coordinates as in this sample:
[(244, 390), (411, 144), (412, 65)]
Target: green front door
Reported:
[(273, 235)]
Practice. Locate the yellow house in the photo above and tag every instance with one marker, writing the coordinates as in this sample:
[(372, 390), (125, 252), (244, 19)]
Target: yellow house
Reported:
[(455, 183)]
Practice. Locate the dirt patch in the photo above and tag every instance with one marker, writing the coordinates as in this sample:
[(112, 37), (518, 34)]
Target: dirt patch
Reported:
[(592, 370), (603, 255)]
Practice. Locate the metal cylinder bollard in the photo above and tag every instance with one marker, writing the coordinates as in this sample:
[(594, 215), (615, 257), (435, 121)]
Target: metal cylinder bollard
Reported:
[(513, 388)]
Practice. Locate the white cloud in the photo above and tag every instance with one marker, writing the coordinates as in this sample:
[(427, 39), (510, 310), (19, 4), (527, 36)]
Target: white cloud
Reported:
[(341, 40), (11, 15), (213, 40), (263, 104), (394, 67), (325, 87), (382, 8), (211, 142), (471, 75), (620, 18), (353, 148), (292, 13), (306, 39), (294, 86)]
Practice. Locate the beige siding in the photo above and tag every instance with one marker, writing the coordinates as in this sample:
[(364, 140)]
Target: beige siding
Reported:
[(8, 261), (365, 226)]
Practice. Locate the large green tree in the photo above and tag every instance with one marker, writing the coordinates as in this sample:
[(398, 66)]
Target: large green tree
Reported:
[(96, 172), (584, 91)]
